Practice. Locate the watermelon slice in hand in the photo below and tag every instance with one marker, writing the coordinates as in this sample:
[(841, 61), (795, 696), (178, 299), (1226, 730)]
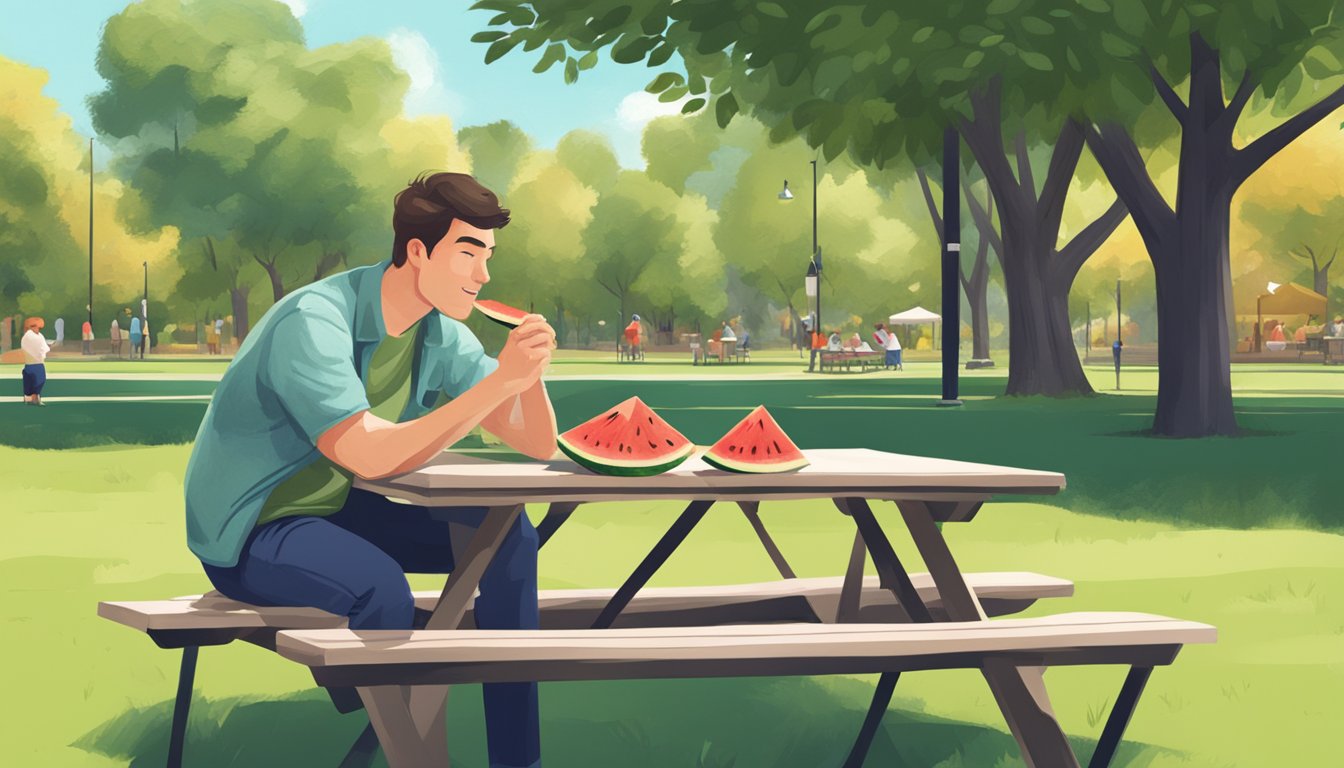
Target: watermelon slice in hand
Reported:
[(629, 440), (500, 312), (756, 445)]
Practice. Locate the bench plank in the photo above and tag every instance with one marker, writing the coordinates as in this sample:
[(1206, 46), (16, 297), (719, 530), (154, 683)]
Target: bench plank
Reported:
[(781, 600), (457, 656)]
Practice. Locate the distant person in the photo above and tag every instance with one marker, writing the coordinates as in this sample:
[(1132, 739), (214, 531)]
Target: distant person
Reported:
[(728, 333), (1276, 334), (833, 343), (137, 335), (211, 339), (632, 336), (114, 335), (880, 334), (86, 336), (854, 341), (219, 335), (145, 339), (893, 347), (1337, 328), (60, 332), (35, 349)]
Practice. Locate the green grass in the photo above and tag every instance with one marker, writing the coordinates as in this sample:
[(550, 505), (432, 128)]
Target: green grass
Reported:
[(94, 693), (103, 521)]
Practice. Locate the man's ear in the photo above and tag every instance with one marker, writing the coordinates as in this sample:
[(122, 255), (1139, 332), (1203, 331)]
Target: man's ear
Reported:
[(415, 252)]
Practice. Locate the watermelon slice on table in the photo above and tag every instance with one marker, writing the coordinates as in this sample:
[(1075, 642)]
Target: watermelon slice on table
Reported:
[(628, 440), (501, 313), (756, 445)]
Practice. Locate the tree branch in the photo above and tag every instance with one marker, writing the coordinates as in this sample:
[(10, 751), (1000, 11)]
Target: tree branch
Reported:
[(1086, 242), (1063, 163), (1024, 165), (1169, 95), (1243, 94), (928, 200), (604, 285), (984, 222), (1248, 160), (984, 135), (1119, 158)]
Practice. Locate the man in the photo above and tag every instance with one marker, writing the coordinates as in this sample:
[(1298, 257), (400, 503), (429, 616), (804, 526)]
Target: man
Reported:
[(632, 338), (219, 335), (344, 378), (137, 338), (35, 350), (86, 335), (1337, 328)]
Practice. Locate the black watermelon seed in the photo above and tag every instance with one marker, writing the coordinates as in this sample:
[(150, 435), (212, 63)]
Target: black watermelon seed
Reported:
[(753, 450)]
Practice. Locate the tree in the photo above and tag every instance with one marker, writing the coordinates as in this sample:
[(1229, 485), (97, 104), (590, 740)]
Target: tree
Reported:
[(1247, 48), (857, 87), (634, 225), (495, 149), (688, 281), (976, 284)]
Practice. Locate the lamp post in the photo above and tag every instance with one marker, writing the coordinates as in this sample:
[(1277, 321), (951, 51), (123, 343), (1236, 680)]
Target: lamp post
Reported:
[(90, 233), (1119, 342), (951, 265), (814, 268)]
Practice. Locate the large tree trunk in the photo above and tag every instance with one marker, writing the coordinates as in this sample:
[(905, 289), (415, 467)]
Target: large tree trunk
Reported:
[(277, 284), (977, 293), (1037, 274), (238, 297)]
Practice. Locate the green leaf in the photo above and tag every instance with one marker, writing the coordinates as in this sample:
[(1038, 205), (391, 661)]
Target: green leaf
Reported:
[(724, 109), (772, 9), (588, 61), (1201, 9), (571, 70), (1321, 63), (1037, 26), (1115, 46), (488, 36), (822, 22), (1000, 7), (1038, 61), (631, 48), (672, 94), (991, 41), (1131, 17), (922, 35), (1074, 64), (1062, 13), (696, 85), (554, 52), (664, 81), (659, 56), (500, 47), (610, 20), (1097, 6), (972, 59), (693, 105)]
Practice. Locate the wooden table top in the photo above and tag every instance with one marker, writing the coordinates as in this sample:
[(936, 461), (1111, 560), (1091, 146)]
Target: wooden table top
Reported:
[(456, 479)]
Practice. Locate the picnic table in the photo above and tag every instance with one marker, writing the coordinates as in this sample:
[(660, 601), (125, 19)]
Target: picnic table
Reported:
[(846, 358), (898, 622)]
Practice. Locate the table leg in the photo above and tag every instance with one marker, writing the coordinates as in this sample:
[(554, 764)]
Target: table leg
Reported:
[(1019, 691), (892, 574), (466, 576), (886, 685), (851, 591), (409, 740), (752, 511), (556, 515), (652, 562)]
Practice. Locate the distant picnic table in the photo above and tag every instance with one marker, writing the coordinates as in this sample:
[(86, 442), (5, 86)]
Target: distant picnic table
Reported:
[(898, 622)]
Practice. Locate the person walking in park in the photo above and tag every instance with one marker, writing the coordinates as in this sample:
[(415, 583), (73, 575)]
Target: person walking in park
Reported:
[(137, 335), (60, 332), (219, 335), (145, 338), (340, 379), (35, 350), (632, 337), (114, 337), (888, 341), (86, 336)]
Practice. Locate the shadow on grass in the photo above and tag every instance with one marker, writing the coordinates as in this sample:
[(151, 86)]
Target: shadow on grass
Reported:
[(742, 723), (84, 424)]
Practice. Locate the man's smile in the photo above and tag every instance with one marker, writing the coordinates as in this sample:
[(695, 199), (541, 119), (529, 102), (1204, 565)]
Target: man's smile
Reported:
[(470, 293)]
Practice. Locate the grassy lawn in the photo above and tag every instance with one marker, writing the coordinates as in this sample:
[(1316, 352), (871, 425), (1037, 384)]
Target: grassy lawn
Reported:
[(1242, 533)]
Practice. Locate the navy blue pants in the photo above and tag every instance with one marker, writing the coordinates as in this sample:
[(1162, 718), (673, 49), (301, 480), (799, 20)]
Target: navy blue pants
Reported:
[(354, 564), (34, 376)]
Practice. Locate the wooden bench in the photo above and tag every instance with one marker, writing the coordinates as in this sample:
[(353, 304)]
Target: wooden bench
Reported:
[(202, 620), (374, 660)]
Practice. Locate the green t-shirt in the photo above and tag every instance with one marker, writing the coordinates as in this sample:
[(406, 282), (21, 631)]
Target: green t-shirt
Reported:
[(321, 487)]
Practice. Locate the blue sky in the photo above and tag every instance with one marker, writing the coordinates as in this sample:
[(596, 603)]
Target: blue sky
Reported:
[(430, 38)]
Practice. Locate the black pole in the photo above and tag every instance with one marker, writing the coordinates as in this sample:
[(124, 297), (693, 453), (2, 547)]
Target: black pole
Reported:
[(816, 257), (951, 263), (1087, 335), (1119, 342), (90, 233)]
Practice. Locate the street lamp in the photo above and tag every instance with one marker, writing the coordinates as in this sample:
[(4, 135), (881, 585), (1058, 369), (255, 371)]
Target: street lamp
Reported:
[(813, 269)]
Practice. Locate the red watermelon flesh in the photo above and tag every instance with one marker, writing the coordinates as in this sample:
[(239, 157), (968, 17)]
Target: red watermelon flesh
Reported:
[(629, 440), (756, 445), (501, 313)]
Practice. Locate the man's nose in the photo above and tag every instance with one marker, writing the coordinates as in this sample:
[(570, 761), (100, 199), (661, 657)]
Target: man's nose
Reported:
[(482, 274)]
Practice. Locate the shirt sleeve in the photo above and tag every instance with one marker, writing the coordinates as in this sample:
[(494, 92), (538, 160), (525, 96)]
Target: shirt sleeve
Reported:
[(467, 362), (310, 367)]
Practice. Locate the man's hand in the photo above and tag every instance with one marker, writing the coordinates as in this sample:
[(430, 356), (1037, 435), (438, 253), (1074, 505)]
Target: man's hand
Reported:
[(526, 353)]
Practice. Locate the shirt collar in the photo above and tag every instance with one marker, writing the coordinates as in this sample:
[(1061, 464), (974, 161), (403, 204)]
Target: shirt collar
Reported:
[(369, 325)]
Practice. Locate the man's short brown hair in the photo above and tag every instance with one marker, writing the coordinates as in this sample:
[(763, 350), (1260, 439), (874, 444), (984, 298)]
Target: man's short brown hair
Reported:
[(426, 208)]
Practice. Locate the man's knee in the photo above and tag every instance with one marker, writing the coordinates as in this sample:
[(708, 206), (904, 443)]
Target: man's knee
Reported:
[(385, 603)]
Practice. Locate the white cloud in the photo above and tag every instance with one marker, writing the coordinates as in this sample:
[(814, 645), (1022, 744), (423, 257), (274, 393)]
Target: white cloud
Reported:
[(639, 108), (427, 95), (297, 7)]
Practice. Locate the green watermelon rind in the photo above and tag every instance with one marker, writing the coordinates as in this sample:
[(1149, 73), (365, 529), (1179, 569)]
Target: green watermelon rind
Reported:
[(728, 465), (625, 468)]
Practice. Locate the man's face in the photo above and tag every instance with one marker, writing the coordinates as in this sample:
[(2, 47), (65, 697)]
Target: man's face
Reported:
[(452, 274)]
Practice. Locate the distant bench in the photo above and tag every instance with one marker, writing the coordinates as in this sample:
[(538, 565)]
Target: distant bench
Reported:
[(212, 619)]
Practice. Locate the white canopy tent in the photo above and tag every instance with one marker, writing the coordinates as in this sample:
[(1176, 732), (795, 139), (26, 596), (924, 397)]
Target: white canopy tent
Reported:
[(917, 316)]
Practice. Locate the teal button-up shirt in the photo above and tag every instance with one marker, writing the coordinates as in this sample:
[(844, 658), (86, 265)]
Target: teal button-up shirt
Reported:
[(299, 373)]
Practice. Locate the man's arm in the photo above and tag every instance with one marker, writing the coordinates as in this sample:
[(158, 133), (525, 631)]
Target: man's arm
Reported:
[(526, 423), (373, 448)]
